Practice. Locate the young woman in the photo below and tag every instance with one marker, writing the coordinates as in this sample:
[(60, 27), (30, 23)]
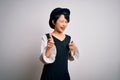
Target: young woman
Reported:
[(57, 47)]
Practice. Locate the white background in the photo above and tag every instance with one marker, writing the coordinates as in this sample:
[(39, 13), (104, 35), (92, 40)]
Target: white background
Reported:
[(94, 26)]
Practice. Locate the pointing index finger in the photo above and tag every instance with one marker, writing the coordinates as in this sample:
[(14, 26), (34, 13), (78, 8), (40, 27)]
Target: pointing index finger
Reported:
[(50, 35)]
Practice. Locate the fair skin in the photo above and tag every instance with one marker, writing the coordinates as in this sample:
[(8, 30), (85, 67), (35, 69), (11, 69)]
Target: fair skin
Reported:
[(60, 26)]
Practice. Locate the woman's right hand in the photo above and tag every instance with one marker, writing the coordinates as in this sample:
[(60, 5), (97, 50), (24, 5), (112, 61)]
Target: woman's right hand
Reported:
[(50, 42)]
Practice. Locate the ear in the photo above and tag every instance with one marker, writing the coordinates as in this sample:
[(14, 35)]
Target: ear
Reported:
[(53, 22)]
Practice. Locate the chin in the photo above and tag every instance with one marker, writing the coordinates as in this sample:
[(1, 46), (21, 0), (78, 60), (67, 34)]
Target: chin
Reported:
[(62, 31)]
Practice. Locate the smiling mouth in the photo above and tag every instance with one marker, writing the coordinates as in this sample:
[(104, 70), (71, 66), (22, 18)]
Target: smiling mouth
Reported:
[(62, 28)]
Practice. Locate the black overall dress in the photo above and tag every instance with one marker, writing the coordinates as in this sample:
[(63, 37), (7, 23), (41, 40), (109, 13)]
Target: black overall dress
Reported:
[(58, 70)]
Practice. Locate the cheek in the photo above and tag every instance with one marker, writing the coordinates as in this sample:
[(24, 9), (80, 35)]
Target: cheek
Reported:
[(66, 25), (58, 24)]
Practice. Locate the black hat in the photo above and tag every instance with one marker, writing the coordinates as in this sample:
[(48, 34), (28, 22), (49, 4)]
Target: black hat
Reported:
[(59, 11)]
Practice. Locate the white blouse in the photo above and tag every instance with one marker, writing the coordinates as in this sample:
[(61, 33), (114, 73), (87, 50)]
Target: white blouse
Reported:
[(51, 59)]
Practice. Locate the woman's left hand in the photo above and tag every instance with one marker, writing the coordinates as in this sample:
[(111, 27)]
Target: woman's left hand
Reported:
[(72, 47)]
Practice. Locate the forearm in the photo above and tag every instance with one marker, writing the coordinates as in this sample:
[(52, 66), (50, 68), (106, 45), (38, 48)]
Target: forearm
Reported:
[(74, 54), (48, 52), (47, 55)]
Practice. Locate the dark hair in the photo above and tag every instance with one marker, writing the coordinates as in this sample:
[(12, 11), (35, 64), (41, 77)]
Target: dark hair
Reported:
[(56, 13)]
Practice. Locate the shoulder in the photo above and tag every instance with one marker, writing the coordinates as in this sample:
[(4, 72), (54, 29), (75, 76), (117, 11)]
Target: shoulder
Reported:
[(44, 36), (68, 35)]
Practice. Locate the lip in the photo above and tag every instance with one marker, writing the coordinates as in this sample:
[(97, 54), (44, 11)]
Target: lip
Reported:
[(62, 28)]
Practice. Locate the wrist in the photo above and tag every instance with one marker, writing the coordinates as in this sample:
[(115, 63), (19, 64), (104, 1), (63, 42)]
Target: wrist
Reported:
[(73, 52)]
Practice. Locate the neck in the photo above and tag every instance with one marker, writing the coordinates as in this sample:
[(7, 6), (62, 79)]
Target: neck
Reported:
[(57, 33)]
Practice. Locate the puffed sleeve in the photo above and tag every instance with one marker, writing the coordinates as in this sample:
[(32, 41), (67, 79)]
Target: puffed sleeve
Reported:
[(43, 57), (73, 56)]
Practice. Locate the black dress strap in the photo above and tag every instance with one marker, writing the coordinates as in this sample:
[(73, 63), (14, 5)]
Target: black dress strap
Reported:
[(68, 37)]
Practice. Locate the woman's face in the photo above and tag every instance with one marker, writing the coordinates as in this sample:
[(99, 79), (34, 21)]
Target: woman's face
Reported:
[(61, 24)]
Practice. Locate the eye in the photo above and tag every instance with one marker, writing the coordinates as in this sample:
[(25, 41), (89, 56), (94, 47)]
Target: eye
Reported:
[(61, 21), (66, 21)]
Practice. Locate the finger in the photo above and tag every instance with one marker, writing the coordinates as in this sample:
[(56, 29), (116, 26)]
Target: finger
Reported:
[(70, 44), (50, 45), (71, 41), (51, 38), (51, 42), (50, 35)]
